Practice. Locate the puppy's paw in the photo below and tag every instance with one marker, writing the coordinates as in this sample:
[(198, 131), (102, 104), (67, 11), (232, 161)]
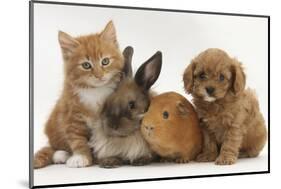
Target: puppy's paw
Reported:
[(206, 157), (60, 156), (141, 161), (110, 162), (226, 160), (182, 160), (78, 160)]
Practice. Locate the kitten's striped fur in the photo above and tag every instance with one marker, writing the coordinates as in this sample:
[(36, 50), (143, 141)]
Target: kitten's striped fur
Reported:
[(83, 94)]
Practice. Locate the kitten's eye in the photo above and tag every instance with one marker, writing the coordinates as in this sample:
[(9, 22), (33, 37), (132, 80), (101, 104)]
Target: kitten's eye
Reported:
[(221, 77), (86, 65), (131, 105), (105, 61), (202, 75), (165, 115)]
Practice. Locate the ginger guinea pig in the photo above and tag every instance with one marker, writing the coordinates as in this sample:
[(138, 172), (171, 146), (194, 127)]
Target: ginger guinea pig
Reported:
[(171, 128)]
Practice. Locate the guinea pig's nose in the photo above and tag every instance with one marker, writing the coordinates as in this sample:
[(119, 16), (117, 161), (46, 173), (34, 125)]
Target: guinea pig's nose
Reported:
[(148, 128), (210, 90)]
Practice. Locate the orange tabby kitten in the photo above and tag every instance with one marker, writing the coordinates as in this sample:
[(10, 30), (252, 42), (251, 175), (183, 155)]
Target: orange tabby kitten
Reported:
[(92, 66)]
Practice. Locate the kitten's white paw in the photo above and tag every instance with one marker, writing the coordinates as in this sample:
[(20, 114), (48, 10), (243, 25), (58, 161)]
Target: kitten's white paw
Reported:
[(60, 156), (77, 160)]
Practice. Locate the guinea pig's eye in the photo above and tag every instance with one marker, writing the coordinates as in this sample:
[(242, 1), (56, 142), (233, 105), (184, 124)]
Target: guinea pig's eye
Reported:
[(86, 65), (105, 61), (131, 105), (202, 75), (165, 115), (221, 77)]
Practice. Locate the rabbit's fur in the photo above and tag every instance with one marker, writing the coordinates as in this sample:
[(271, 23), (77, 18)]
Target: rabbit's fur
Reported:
[(117, 138)]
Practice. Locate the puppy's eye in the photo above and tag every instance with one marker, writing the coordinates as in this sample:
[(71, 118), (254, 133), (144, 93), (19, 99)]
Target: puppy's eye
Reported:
[(86, 65), (202, 75), (165, 115), (105, 61), (221, 77), (132, 105)]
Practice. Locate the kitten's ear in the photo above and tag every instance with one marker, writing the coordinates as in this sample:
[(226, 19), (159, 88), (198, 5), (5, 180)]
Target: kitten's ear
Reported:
[(109, 34), (68, 44), (149, 71)]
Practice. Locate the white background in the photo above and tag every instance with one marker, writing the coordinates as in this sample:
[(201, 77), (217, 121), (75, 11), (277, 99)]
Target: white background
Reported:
[(14, 96), (180, 36)]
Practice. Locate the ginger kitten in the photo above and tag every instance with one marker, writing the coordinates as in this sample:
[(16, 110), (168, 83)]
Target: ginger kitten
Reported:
[(92, 69)]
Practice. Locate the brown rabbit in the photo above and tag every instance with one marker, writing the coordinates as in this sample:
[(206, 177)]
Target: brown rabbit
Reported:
[(117, 139), (171, 127)]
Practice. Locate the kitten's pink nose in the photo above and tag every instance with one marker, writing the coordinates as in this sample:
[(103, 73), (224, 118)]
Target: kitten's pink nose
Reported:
[(98, 75)]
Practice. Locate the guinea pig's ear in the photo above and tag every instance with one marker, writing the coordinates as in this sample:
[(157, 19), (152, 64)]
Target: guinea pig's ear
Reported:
[(182, 109), (149, 71), (188, 77), (239, 77), (128, 54)]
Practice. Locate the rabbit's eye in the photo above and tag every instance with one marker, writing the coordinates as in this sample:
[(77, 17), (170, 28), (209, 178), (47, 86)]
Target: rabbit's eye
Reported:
[(86, 65), (221, 77), (165, 115), (131, 105), (105, 61)]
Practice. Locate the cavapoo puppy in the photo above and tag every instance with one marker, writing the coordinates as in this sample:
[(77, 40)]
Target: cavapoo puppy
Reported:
[(232, 123)]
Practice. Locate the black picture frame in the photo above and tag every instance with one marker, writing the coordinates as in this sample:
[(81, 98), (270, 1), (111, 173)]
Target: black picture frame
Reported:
[(31, 91)]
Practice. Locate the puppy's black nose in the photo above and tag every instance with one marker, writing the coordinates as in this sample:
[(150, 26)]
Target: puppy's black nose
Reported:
[(210, 90)]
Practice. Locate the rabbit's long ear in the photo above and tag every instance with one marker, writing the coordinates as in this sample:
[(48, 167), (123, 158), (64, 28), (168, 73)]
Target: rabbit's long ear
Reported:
[(149, 71), (128, 54)]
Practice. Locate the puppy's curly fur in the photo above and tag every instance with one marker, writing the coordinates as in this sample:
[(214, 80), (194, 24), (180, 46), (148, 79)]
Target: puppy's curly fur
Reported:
[(229, 114)]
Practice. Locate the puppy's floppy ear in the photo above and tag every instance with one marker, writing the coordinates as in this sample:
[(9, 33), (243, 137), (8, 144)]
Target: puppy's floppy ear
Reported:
[(239, 77), (188, 76)]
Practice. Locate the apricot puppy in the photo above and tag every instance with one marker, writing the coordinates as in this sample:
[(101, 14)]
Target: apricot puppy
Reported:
[(229, 114)]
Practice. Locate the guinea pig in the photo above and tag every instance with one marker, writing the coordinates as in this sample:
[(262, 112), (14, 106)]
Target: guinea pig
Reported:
[(171, 128), (117, 139)]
